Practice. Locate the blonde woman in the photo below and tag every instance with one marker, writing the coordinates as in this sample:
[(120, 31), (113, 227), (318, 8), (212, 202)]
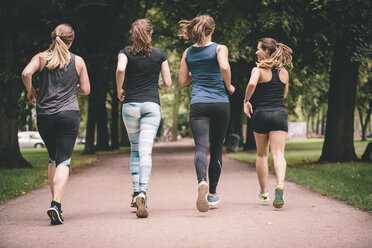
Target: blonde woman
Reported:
[(62, 75), (141, 64), (206, 64), (270, 81)]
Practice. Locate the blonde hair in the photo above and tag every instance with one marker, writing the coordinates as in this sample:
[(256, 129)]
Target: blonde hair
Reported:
[(58, 54), (197, 29), (279, 54), (141, 32)]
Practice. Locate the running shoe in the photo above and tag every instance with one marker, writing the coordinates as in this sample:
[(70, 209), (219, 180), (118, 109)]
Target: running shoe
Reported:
[(202, 203), (264, 197), (142, 211), (55, 215), (279, 196), (133, 203), (213, 200)]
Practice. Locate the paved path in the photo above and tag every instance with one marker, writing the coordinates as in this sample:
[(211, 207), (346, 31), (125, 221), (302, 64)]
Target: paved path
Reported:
[(97, 213)]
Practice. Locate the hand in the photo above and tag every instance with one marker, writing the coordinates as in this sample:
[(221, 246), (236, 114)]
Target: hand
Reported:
[(31, 95), (161, 85), (231, 89), (248, 110), (121, 95)]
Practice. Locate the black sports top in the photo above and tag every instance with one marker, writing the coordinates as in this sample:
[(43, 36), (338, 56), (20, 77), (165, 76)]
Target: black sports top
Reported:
[(270, 95), (142, 75)]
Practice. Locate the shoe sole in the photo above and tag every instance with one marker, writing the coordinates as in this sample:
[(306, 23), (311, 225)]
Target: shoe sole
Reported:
[(141, 208), (202, 203), (54, 217), (213, 204)]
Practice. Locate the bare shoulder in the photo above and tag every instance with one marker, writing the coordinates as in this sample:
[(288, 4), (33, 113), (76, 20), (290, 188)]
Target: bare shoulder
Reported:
[(284, 75), (256, 70), (79, 59), (221, 48)]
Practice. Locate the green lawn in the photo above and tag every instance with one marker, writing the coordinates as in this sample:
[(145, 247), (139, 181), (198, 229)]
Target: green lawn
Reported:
[(19, 181), (350, 182)]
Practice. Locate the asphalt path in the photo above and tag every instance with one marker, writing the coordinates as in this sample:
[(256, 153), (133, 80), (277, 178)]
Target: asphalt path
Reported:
[(97, 212)]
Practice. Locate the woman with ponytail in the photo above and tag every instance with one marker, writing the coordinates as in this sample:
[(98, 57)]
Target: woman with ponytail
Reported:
[(206, 64), (62, 74), (141, 64), (270, 82)]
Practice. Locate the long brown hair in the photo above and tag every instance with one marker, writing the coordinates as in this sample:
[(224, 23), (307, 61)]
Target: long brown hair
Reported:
[(279, 54), (197, 29), (58, 54), (141, 32)]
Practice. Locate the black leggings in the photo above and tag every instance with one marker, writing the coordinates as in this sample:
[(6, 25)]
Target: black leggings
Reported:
[(209, 122), (59, 132)]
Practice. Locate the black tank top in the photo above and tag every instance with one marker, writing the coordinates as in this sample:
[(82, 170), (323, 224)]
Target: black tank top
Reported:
[(57, 89), (270, 95)]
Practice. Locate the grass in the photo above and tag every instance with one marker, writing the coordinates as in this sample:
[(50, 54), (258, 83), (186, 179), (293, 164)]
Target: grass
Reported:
[(17, 182), (350, 182)]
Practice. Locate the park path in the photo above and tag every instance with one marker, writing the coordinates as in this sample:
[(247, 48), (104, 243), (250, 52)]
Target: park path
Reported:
[(97, 213)]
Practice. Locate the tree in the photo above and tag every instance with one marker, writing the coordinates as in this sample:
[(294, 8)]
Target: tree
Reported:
[(351, 24)]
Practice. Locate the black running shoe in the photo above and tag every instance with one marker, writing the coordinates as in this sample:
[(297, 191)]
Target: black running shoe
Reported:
[(133, 204), (55, 215)]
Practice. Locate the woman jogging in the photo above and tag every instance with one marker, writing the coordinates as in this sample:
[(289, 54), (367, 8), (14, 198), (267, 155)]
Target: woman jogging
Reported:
[(141, 64), (62, 74), (270, 81), (209, 107)]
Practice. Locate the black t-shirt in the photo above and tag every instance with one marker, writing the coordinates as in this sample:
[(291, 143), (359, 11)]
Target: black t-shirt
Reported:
[(142, 74)]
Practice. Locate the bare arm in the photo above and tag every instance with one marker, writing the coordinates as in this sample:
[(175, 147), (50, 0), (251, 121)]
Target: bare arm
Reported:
[(184, 77), (255, 76), (284, 77), (165, 73), (27, 73), (223, 61), (120, 74), (84, 84)]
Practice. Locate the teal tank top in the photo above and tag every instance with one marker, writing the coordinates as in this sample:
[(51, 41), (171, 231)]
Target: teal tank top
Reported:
[(208, 84)]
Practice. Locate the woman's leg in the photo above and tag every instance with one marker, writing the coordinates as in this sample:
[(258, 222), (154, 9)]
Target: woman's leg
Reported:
[(218, 127), (277, 146), (45, 125), (262, 169), (51, 172), (149, 124), (199, 124), (131, 118), (67, 131)]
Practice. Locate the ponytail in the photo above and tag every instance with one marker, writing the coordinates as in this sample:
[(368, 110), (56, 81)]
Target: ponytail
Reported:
[(279, 54), (58, 55), (197, 29)]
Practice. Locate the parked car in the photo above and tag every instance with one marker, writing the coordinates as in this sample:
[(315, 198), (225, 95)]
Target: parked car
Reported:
[(30, 139)]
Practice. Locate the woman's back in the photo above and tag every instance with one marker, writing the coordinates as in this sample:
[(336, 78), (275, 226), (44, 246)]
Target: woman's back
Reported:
[(57, 90), (208, 84), (270, 94), (142, 75)]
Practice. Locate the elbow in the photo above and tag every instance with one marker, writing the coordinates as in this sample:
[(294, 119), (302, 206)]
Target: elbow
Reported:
[(25, 73), (225, 68), (120, 70)]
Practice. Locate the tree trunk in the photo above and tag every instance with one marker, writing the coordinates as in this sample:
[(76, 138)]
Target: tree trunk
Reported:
[(100, 108), (176, 106), (339, 143), (89, 147), (250, 143), (11, 87), (236, 108)]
